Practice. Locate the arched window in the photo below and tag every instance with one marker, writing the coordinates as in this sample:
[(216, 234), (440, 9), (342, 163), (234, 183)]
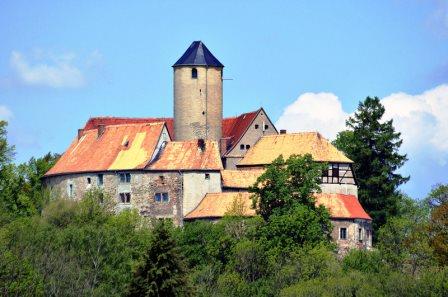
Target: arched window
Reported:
[(194, 73)]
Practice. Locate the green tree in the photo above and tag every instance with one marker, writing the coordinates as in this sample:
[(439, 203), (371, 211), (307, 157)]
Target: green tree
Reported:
[(373, 145), (287, 183), (163, 272)]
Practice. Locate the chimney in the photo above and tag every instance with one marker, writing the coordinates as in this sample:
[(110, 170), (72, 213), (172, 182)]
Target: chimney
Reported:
[(201, 144), (101, 129), (80, 133), (282, 131)]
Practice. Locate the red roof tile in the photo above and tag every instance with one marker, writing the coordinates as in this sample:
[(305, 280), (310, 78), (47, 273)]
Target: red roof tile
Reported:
[(94, 122), (215, 205), (232, 128), (120, 147), (186, 155), (342, 206)]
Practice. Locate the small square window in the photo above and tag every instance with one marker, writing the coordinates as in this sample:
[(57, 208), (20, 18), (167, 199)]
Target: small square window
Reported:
[(256, 126), (125, 197), (242, 146), (125, 177), (247, 146), (207, 176), (161, 197), (343, 233), (266, 127)]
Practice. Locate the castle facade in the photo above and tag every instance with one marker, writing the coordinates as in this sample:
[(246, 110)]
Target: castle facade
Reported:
[(193, 166)]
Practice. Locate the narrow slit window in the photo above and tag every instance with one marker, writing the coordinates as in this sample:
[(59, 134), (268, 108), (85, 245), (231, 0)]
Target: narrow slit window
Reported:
[(343, 233), (100, 180), (89, 180), (194, 73)]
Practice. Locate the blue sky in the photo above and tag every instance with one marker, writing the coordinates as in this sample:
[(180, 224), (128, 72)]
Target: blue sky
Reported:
[(64, 61)]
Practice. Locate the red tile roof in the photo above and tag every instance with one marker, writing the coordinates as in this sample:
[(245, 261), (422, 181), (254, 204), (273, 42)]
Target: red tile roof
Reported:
[(120, 147), (94, 122), (215, 205), (232, 128), (186, 155), (342, 206)]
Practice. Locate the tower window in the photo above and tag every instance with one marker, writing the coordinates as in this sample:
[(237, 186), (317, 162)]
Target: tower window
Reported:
[(207, 176), (256, 126), (266, 127), (89, 180), (194, 73), (241, 146), (343, 233), (247, 146)]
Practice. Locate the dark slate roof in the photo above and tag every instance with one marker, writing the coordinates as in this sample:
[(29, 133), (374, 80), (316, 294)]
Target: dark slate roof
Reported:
[(198, 55)]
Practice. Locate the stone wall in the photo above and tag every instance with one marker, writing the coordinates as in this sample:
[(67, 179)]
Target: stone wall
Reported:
[(353, 240), (197, 103), (142, 187)]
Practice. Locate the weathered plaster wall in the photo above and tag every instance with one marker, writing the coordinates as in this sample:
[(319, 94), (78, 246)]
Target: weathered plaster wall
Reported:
[(195, 186)]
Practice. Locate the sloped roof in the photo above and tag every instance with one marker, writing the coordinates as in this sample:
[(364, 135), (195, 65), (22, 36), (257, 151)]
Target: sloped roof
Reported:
[(198, 55), (120, 147), (187, 155), (242, 179), (342, 206), (95, 122), (269, 147), (216, 205), (234, 128)]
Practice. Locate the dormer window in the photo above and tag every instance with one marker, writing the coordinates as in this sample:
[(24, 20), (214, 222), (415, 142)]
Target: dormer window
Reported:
[(194, 73)]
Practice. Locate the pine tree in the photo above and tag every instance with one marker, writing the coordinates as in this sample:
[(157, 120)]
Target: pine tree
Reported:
[(373, 145), (163, 273)]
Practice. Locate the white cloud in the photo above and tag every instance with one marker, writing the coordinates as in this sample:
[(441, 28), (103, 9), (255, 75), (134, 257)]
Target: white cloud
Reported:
[(422, 119), (5, 113), (314, 112), (56, 72)]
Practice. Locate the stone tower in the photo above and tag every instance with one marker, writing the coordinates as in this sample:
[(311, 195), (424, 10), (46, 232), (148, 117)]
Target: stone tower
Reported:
[(197, 94)]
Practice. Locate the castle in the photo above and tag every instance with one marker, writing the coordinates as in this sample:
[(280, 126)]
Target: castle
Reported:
[(193, 166)]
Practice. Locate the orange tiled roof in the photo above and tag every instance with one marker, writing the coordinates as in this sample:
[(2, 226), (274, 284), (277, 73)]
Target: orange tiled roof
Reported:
[(216, 205), (342, 206), (233, 128), (239, 178), (268, 148), (120, 147), (186, 155)]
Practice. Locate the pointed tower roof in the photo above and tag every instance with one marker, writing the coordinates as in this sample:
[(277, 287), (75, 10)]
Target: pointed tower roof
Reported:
[(198, 55)]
